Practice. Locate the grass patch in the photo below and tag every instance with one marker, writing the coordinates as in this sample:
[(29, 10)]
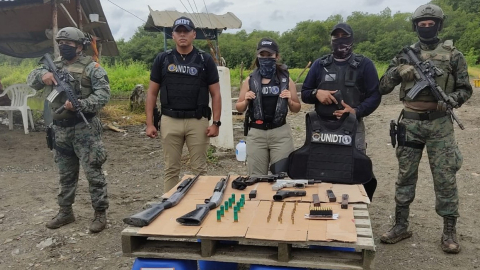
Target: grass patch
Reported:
[(211, 158), (121, 115)]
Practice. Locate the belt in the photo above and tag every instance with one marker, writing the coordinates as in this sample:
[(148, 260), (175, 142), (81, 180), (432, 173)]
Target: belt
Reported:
[(431, 115), (266, 126), (181, 114), (71, 122)]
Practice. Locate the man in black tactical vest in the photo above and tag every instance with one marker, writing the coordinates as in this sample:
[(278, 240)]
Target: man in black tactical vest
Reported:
[(343, 82), (185, 77)]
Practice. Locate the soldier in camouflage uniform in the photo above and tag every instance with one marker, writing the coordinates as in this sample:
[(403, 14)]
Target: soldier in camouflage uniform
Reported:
[(427, 124), (75, 143)]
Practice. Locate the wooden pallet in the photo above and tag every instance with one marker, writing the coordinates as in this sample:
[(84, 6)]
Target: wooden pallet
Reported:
[(248, 251)]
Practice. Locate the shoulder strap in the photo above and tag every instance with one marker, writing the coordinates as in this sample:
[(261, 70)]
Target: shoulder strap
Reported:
[(326, 60), (355, 60)]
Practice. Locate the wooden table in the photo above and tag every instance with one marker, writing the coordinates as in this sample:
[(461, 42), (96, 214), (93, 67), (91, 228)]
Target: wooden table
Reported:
[(251, 251)]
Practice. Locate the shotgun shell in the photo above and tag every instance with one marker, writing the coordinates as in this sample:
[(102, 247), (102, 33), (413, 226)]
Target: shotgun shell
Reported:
[(219, 215), (233, 197), (222, 210), (242, 197), (235, 216), (226, 206)]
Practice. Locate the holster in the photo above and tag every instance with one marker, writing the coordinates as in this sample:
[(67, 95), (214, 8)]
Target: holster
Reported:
[(401, 134), (157, 116), (246, 122), (50, 137)]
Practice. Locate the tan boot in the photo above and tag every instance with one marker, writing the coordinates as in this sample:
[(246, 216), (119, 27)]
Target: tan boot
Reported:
[(399, 231), (449, 241), (99, 221), (64, 217)]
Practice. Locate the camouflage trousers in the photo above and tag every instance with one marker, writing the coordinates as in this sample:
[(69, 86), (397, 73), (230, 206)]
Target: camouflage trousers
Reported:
[(444, 157), (81, 145)]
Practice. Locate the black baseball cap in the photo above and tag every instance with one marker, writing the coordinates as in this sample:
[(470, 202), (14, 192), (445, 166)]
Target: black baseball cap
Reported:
[(343, 26), (185, 22), (267, 44)]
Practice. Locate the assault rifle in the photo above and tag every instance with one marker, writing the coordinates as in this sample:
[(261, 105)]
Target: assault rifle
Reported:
[(148, 215), (242, 182), (195, 217), (427, 72), (62, 79), (298, 183)]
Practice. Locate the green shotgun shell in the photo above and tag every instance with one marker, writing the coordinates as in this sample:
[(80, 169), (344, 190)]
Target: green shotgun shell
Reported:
[(226, 206), (242, 197), (222, 210), (219, 215), (233, 197), (235, 216)]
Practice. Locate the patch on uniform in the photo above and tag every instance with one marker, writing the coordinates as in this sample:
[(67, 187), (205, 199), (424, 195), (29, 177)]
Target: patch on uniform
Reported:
[(284, 79), (193, 71), (275, 90), (315, 137), (330, 77), (347, 140), (172, 68)]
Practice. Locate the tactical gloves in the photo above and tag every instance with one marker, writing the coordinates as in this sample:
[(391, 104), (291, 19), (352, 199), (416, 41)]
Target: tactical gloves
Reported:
[(407, 72)]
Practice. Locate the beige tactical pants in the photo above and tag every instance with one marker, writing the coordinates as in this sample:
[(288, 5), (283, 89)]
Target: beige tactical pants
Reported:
[(266, 147), (175, 132)]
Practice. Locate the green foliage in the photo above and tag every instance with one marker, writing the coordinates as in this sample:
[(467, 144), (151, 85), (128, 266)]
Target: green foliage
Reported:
[(124, 76), (13, 74), (211, 157)]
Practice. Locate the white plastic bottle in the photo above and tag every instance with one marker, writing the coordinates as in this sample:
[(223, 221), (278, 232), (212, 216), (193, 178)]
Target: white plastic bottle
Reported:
[(241, 151)]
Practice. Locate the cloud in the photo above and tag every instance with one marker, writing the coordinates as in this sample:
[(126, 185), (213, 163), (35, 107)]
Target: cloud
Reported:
[(217, 7), (373, 2), (276, 16)]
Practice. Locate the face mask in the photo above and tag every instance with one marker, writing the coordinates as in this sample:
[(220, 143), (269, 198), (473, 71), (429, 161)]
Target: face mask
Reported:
[(67, 52), (342, 47), (267, 67), (428, 35)]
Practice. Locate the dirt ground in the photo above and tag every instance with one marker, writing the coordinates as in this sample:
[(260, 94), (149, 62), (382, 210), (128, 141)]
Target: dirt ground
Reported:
[(29, 184)]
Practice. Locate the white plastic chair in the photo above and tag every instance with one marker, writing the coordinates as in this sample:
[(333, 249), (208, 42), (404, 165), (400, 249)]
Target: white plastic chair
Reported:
[(18, 94)]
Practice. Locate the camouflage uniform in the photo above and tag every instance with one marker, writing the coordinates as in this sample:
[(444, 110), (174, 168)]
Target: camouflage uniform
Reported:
[(437, 135), (78, 144)]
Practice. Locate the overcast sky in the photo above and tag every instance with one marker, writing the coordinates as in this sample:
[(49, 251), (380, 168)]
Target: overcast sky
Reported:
[(276, 15)]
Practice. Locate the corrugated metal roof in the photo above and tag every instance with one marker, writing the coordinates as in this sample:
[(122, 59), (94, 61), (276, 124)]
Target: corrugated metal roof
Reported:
[(201, 20), (24, 24)]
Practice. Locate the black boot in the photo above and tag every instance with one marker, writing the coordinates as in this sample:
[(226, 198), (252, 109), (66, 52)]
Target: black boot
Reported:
[(449, 237), (399, 231), (64, 217)]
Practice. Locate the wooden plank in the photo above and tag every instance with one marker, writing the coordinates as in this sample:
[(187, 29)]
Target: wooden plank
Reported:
[(368, 259), (131, 243), (360, 206), (361, 214), (362, 223), (364, 232), (67, 15), (284, 252), (208, 247)]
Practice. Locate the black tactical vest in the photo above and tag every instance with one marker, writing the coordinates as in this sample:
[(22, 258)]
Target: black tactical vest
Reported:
[(342, 78), (276, 110), (184, 86), (329, 153)]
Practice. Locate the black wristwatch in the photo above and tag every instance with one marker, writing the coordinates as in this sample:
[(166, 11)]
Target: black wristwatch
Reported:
[(314, 93), (217, 123)]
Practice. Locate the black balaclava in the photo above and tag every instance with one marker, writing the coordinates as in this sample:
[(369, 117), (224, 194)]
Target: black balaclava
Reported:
[(428, 35), (342, 47), (68, 52), (267, 67)]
